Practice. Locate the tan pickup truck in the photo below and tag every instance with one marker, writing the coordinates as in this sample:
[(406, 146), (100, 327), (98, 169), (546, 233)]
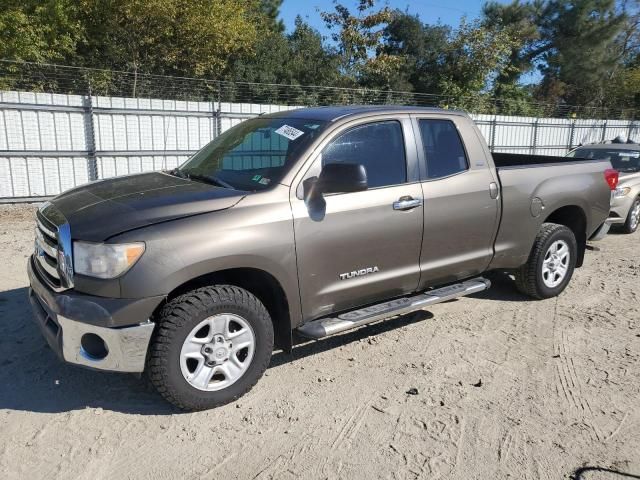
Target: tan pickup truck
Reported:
[(307, 222)]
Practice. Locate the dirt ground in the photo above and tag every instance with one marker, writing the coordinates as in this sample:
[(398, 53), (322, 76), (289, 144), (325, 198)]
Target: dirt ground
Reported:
[(506, 388)]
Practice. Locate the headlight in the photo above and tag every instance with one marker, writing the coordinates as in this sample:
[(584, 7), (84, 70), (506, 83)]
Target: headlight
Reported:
[(105, 260), (621, 192)]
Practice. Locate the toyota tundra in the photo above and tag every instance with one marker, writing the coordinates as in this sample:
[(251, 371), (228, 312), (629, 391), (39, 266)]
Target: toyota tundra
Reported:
[(301, 223)]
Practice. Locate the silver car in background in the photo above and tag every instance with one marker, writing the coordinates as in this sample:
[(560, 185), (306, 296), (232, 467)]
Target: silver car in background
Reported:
[(625, 205)]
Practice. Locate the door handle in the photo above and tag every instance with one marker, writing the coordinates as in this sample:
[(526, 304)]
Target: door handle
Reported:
[(493, 190), (407, 203)]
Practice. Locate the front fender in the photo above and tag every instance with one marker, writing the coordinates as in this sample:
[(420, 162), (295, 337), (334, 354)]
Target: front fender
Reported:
[(258, 235)]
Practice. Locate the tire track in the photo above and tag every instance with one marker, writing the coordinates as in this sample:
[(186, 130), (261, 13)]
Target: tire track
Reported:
[(352, 425), (568, 378)]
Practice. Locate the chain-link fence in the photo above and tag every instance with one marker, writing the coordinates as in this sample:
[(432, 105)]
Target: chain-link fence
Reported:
[(61, 127), (38, 77)]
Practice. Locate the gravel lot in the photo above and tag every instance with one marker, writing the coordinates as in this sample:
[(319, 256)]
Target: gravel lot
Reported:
[(506, 388)]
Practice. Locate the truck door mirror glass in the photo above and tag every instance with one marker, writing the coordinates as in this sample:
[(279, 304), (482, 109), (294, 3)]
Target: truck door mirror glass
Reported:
[(342, 178)]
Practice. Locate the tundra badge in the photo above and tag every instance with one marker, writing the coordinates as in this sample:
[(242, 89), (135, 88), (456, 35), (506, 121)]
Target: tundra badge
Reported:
[(358, 273)]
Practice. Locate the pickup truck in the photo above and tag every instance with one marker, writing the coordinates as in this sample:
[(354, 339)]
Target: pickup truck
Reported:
[(303, 223)]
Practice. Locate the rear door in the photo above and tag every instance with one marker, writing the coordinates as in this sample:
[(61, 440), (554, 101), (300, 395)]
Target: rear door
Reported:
[(361, 249), (461, 204)]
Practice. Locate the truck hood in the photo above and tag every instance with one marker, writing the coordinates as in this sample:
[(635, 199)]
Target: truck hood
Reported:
[(99, 210)]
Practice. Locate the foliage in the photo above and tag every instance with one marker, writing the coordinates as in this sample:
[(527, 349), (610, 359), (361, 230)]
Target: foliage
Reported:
[(473, 57), (519, 21), (41, 31), (527, 57), (580, 53), (422, 48), (358, 37), (577, 46)]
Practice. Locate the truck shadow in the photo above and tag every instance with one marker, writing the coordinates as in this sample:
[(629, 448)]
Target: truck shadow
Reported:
[(503, 289), (33, 379), (600, 473), (304, 347)]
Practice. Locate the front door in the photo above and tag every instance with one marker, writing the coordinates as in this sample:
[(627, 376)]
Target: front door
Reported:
[(364, 246)]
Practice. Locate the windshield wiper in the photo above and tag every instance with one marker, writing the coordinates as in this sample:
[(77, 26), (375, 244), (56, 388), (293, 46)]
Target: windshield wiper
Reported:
[(207, 179), (176, 172)]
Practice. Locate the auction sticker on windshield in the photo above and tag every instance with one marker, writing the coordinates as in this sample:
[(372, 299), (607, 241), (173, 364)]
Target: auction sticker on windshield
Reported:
[(289, 132)]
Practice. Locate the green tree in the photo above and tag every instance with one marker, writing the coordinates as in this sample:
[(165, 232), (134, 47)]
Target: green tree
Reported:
[(520, 21), (474, 57), (198, 38), (581, 50), (309, 61), (40, 31), (271, 9), (195, 38), (460, 63), (363, 60), (422, 48)]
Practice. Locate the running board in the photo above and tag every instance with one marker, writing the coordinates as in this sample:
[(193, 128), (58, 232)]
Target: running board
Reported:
[(324, 327)]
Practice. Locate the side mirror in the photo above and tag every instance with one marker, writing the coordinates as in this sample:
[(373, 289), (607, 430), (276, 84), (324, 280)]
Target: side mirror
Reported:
[(342, 178)]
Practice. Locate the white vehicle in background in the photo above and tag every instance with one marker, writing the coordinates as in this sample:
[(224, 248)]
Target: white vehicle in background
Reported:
[(624, 157)]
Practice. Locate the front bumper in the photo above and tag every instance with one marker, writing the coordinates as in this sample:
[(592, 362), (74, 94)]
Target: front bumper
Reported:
[(64, 321), (620, 207)]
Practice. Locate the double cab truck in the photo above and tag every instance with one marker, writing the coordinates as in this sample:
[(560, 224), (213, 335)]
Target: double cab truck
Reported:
[(304, 223)]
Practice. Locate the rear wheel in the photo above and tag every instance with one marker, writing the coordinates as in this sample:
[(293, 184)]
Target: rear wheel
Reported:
[(551, 263), (212, 346), (633, 219)]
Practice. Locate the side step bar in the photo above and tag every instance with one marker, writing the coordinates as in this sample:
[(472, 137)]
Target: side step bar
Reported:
[(324, 327)]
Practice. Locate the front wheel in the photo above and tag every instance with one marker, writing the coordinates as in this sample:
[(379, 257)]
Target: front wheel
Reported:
[(551, 263), (633, 219), (211, 347)]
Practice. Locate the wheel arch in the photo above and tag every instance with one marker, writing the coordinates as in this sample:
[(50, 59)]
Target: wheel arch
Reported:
[(575, 219), (260, 283)]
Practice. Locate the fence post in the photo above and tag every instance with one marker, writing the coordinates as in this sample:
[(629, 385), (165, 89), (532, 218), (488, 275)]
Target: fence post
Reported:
[(534, 137), (604, 131), (572, 133), (630, 130), (492, 143), (89, 134), (218, 111)]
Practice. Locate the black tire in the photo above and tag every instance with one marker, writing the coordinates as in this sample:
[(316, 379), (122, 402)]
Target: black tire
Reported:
[(179, 317), (628, 226), (529, 278)]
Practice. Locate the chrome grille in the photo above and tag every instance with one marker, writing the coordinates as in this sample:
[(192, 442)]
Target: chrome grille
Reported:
[(52, 257), (46, 254)]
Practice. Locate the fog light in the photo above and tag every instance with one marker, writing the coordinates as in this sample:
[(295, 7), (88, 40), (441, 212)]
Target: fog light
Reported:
[(93, 347)]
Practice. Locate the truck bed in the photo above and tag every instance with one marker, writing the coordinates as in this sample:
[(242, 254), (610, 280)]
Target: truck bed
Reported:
[(504, 160), (534, 186)]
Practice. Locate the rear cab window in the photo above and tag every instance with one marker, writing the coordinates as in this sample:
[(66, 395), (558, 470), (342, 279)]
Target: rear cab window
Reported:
[(443, 148)]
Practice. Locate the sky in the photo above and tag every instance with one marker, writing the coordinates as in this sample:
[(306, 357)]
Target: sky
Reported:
[(430, 11)]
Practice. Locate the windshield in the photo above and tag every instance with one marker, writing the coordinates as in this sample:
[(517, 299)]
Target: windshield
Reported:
[(253, 155), (622, 160)]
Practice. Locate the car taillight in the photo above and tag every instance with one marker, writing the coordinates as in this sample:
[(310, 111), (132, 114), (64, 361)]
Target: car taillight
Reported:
[(611, 176)]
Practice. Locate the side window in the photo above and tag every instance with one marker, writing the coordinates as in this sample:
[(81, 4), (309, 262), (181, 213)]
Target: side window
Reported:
[(378, 146), (443, 148)]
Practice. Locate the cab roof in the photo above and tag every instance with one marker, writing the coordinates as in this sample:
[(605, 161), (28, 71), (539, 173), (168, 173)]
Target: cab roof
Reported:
[(333, 113)]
